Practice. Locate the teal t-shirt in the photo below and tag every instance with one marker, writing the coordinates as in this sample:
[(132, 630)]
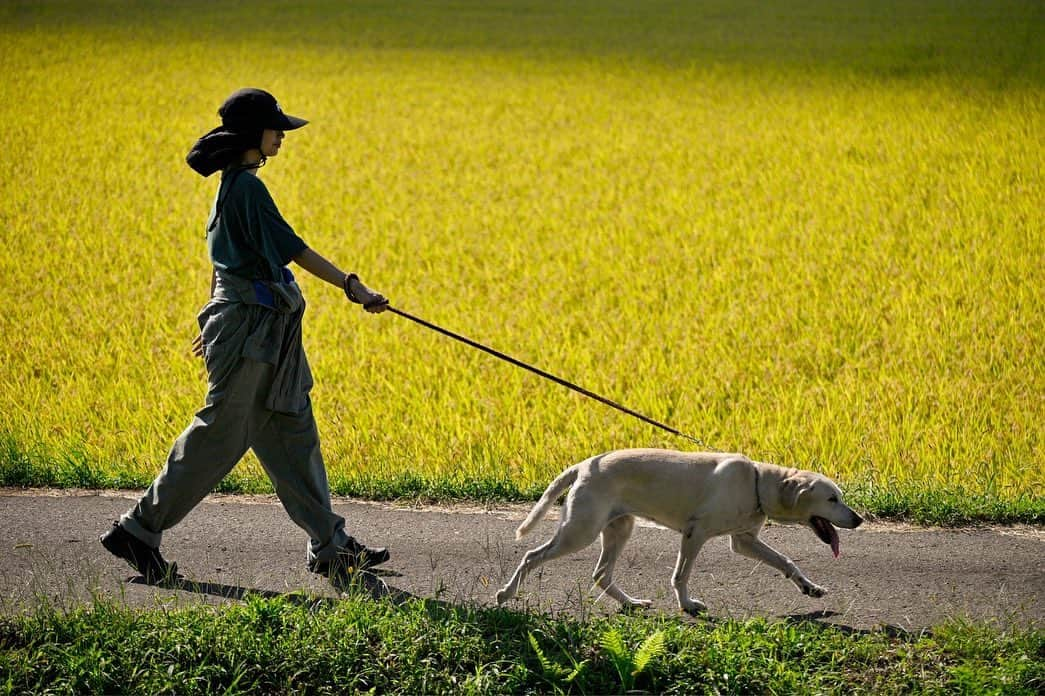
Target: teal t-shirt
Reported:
[(249, 238)]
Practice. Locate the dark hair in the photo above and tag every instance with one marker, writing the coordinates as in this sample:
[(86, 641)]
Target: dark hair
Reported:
[(220, 148)]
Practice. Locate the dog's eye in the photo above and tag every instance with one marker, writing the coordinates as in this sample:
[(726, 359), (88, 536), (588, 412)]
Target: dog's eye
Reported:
[(833, 499)]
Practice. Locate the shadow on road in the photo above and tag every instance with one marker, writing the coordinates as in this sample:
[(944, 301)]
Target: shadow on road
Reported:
[(815, 619), (367, 583), (370, 583)]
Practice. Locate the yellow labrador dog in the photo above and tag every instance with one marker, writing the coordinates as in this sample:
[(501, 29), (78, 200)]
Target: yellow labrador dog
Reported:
[(698, 494)]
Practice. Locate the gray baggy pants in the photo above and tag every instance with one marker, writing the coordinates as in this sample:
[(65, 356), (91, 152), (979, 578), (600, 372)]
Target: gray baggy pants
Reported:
[(287, 446)]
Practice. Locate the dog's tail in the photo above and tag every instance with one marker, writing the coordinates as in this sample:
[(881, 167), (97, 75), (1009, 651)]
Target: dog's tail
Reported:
[(551, 494)]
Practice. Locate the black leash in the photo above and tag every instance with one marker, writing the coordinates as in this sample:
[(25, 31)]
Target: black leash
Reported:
[(546, 375)]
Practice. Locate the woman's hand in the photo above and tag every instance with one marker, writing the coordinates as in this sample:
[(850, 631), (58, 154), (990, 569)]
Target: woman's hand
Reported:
[(373, 302), (197, 346)]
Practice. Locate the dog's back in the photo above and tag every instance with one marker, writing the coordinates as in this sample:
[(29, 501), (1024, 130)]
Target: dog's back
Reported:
[(666, 486), (661, 485)]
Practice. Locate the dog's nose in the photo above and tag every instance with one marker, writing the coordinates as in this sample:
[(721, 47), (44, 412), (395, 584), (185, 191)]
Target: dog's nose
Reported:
[(857, 520)]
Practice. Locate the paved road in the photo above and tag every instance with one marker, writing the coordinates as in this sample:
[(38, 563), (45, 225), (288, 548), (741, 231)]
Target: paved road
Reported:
[(887, 575)]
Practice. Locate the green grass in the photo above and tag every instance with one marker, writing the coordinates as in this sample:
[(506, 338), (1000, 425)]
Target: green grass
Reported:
[(356, 645), (808, 231), (899, 502)]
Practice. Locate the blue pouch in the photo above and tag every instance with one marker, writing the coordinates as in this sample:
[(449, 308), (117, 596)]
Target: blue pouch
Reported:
[(263, 292)]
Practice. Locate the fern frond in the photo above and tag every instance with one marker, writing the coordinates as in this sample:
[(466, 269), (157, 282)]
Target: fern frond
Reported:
[(613, 643), (577, 670), (546, 664), (653, 646)]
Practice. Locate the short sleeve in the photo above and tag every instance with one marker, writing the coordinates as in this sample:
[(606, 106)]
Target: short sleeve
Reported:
[(276, 239)]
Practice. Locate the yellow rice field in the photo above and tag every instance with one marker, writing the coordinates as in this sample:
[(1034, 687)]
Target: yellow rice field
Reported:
[(808, 231)]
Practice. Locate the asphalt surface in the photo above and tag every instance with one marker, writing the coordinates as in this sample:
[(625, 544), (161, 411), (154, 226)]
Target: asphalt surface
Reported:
[(888, 576)]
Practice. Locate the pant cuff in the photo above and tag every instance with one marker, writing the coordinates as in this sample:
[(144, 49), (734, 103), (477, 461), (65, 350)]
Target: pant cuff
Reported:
[(135, 529), (324, 553)]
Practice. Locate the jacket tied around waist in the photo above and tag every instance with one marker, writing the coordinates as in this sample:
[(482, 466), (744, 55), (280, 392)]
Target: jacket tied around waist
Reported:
[(258, 320)]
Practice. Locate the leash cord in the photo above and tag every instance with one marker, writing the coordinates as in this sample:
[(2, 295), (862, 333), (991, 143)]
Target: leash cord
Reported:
[(546, 375)]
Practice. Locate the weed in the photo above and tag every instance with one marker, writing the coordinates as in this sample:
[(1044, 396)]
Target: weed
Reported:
[(630, 665), (555, 674)]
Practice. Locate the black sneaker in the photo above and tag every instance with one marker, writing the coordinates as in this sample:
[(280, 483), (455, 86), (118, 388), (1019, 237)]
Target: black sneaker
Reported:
[(149, 562), (351, 557)]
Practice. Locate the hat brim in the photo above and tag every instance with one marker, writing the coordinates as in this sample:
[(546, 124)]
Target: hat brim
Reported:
[(287, 122)]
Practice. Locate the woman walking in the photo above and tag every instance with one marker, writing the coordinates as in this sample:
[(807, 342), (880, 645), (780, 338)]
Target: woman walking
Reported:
[(258, 376)]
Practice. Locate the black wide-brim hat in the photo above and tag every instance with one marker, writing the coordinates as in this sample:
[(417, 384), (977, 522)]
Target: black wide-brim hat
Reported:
[(256, 109), (244, 115)]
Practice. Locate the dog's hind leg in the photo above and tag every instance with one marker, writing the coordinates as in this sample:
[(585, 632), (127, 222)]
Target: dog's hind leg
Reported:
[(614, 536), (692, 541), (574, 533), (531, 560)]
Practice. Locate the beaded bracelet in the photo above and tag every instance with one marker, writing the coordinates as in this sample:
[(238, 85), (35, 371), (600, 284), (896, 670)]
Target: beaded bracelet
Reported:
[(348, 292)]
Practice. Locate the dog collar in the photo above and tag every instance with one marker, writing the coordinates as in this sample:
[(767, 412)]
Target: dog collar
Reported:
[(758, 496)]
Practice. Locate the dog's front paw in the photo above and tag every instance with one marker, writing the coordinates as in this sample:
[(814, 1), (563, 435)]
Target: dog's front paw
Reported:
[(813, 590), (503, 596), (694, 607), (636, 604)]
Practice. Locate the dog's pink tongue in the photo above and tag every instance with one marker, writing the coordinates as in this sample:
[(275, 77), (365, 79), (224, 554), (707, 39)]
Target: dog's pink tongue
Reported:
[(834, 540)]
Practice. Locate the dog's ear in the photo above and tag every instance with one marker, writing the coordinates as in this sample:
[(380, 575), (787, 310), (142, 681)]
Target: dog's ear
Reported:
[(792, 488)]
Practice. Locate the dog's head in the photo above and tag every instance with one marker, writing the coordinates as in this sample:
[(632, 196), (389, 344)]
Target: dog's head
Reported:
[(815, 501)]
